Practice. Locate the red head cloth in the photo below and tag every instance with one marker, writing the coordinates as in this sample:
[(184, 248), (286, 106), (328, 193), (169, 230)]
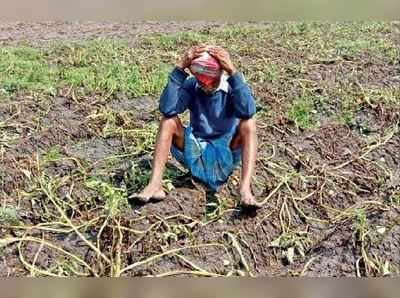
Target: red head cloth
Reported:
[(206, 69)]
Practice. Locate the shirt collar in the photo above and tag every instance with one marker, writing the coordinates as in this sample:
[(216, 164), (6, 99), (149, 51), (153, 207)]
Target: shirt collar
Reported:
[(223, 84)]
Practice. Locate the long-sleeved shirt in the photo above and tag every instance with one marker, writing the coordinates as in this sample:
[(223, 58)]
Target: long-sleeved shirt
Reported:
[(211, 115)]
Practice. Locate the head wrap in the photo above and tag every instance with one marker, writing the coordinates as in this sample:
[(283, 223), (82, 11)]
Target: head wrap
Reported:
[(206, 69)]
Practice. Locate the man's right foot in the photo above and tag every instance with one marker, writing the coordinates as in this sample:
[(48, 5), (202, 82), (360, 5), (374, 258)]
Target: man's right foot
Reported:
[(149, 194)]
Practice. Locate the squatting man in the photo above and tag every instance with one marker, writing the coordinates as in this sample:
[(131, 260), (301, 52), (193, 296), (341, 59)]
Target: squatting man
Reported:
[(222, 131)]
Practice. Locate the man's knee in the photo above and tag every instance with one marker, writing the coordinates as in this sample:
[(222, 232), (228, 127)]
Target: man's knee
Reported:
[(247, 127), (170, 123), (173, 125)]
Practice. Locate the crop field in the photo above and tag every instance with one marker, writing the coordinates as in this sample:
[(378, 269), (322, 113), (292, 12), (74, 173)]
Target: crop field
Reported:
[(78, 121)]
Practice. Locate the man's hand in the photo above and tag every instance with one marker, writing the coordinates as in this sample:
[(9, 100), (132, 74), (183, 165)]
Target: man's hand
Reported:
[(191, 54), (224, 59)]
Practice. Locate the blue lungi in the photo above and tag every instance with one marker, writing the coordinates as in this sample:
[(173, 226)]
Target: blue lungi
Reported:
[(211, 161)]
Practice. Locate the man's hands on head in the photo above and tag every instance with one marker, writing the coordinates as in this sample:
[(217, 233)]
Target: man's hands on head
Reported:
[(218, 53), (224, 59), (189, 55)]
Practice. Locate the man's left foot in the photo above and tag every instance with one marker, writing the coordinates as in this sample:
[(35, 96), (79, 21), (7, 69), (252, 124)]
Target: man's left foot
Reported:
[(150, 193), (248, 201)]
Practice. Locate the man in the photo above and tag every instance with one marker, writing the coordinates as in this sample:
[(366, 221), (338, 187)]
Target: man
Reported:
[(221, 132)]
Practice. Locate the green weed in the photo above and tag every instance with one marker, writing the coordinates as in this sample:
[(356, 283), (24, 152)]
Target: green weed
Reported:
[(347, 110), (25, 69), (301, 112), (292, 243), (172, 42), (137, 178), (376, 47), (52, 155), (142, 139), (269, 73), (114, 198), (395, 198), (383, 96), (9, 216), (360, 225)]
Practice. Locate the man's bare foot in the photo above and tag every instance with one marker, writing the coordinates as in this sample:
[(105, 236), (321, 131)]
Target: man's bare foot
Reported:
[(150, 192), (248, 201)]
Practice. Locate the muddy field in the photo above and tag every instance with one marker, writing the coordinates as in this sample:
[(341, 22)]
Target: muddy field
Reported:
[(78, 118)]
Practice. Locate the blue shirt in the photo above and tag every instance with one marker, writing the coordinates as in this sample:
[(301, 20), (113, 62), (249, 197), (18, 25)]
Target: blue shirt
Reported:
[(211, 115)]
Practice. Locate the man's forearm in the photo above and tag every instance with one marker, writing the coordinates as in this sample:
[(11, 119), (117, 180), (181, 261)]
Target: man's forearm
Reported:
[(232, 71), (173, 100), (243, 100)]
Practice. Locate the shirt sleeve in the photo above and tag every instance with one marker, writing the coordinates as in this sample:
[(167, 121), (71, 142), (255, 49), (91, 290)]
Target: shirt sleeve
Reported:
[(175, 98), (242, 99)]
